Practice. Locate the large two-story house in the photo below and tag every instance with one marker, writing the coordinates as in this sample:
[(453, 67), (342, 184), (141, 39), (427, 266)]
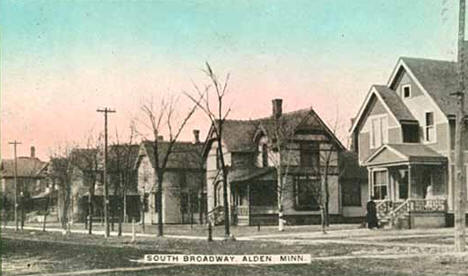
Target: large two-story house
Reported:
[(183, 194), (251, 156), (404, 135)]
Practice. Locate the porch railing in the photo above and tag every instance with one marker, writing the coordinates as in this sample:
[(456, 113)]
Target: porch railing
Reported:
[(428, 205), (242, 211), (383, 207)]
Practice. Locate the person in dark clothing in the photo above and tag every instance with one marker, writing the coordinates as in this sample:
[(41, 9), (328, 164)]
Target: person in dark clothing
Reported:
[(372, 221)]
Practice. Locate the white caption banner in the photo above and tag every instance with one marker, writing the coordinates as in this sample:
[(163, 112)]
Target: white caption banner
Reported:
[(225, 259)]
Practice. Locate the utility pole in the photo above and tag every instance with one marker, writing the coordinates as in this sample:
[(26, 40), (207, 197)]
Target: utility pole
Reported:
[(106, 188), (460, 177), (15, 143)]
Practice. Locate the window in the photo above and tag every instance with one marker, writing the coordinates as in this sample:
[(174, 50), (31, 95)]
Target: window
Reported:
[(306, 193), (379, 131), (310, 155), (410, 133), (264, 193), (380, 184), (218, 194), (406, 91), (351, 193), (429, 127), (264, 155)]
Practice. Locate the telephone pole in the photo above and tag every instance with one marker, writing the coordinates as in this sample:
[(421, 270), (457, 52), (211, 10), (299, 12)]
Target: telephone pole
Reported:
[(460, 177), (15, 143), (106, 188)]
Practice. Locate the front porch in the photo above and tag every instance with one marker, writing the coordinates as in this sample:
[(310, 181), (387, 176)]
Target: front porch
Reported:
[(410, 188), (255, 203)]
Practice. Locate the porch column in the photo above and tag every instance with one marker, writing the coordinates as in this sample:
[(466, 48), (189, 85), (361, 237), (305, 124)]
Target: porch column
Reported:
[(370, 182), (410, 177)]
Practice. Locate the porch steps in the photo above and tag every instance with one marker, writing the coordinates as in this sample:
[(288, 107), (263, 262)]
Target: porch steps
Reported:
[(394, 216)]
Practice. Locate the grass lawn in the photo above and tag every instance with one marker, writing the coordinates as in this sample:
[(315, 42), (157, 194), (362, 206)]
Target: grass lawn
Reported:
[(37, 252)]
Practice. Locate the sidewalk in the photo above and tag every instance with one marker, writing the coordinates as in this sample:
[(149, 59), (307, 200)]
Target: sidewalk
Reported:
[(345, 236)]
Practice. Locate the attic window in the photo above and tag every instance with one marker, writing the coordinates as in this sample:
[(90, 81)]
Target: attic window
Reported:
[(406, 91)]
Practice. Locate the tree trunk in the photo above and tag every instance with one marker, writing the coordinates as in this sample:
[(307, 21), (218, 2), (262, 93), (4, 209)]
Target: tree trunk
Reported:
[(45, 214), (159, 206), (47, 206), (324, 202), (323, 219), (227, 230), (200, 207), (279, 188), (90, 211), (142, 212), (125, 216)]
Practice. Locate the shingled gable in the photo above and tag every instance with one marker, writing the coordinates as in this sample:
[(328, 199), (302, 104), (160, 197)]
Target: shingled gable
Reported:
[(27, 167), (239, 135), (438, 78), (185, 155)]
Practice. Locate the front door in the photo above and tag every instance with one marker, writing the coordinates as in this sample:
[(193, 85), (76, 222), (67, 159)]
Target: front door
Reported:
[(403, 185)]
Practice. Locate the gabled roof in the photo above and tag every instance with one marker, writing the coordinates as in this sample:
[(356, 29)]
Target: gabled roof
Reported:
[(30, 167), (185, 155), (405, 153), (438, 78), (239, 135), (391, 101)]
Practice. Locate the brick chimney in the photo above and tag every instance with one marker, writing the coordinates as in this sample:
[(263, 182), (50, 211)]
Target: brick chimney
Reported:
[(33, 152), (196, 136), (277, 108)]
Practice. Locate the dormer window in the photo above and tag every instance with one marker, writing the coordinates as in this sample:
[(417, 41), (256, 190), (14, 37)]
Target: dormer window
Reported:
[(406, 91)]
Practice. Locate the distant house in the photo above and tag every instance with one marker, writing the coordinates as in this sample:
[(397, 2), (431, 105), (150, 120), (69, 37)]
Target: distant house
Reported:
[(252, 178), (32, 183), (87, 167), (404, 136), (183, 193)]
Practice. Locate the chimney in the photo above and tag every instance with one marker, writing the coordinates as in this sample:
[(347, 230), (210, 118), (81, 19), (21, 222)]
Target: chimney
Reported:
[(33, 152), (277, 108), (196, 136), (160, 138)]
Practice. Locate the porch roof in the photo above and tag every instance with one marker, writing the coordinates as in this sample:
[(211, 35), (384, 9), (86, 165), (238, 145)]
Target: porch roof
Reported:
[(394, 154), (240, 175)]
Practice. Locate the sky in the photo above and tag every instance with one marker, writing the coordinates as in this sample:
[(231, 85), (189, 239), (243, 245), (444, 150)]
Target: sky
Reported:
[(61, 60)]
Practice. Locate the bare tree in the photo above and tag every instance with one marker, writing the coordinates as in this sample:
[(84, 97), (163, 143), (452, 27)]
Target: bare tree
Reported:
[(121, 166), (328, 164), (87, 162), (157, 118), (283, 152), (217, 115), (280, 154), (61, 172)]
